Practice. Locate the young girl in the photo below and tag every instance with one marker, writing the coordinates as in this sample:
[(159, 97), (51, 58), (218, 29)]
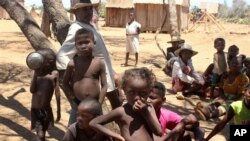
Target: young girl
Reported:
[(231, 89), (137, 119)]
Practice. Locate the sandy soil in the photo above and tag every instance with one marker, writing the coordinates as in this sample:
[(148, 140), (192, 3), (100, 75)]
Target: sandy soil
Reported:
[(15, 76)]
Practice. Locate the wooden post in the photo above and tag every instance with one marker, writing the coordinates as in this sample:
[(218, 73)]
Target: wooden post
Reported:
[(173, 19)]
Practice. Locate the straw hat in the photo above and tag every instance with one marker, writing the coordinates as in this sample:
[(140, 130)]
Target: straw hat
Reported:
[(84, 3), (185, 47), (176, 39)]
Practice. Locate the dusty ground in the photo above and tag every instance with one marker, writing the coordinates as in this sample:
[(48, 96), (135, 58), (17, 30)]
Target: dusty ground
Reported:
[(14, 75)]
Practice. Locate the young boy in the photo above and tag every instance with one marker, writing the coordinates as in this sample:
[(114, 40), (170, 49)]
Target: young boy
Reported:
[(88, 109), (239, 110), (81, 78), (43, 84), (171, 120), (137, 119)]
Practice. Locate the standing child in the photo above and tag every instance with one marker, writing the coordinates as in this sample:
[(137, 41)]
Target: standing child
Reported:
[(239, 110), (43, 84), (88, 109), (171, 120), (81, 78), (132, 38), (137, 119)]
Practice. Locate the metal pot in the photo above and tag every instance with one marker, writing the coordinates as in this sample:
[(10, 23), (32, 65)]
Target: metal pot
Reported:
[(34, 60)]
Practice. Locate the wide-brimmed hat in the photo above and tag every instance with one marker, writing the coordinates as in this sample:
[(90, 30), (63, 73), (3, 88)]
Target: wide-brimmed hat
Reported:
[(84, 3), (185, 47), (176, 39)]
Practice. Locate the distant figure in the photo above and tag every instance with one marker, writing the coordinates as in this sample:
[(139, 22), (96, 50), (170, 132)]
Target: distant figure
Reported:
[(84, 72), (132, 38), (88, 109), (176, 42), (184, 77), (137, 118), (43, 84), (238, 110)]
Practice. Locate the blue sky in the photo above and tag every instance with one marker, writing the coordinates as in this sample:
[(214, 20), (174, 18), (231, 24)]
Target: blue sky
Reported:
[(66, 3)]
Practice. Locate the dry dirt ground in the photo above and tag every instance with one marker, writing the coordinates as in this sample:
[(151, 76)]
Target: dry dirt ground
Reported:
[(15, 76)]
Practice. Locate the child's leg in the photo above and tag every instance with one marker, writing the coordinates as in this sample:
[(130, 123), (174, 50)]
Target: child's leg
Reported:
[(136, 58), (126, 59), (72, 116)]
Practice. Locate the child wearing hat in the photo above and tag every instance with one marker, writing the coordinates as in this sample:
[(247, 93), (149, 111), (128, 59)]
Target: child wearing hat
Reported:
[(184, 77), (239, 110)]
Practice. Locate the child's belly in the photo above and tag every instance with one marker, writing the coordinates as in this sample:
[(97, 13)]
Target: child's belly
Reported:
[(86, 87)]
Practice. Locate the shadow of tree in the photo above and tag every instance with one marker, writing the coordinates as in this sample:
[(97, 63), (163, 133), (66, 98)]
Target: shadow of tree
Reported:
[(20, 130), (13, 72)]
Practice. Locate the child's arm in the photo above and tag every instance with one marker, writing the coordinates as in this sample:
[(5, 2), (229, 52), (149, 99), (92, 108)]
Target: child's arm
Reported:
[(104, 85), (58, 95), (148, 112), (33, 86), (229, 115), (67, 78), (176, 133), (99, 122)]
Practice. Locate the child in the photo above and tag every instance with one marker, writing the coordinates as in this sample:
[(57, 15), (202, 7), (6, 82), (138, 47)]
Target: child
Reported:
[(88, 109), (184, 77), (231, 89), (239, 110), (81, 78), (44, 81), (171, 120), (247, 66), (137, 119)]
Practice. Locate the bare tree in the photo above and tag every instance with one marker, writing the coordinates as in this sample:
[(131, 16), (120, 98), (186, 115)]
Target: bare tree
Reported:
[(30, 28), (174, 29)]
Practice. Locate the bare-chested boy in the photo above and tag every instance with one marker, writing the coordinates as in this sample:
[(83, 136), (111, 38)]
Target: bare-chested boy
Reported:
[(43, 84), (81, 78), (136, 119)]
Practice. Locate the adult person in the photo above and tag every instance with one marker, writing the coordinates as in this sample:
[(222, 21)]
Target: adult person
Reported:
[(132, 38), (83, 11)]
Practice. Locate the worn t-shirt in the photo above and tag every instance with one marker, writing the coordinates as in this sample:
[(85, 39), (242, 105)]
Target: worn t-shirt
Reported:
[(241, 113), (168, 119)]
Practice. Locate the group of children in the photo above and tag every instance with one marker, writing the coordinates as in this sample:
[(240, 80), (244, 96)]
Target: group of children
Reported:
[(143, 116)]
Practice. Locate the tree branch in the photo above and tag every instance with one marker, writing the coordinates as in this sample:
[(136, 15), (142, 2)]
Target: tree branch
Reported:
[(58, 16), (27, 24)]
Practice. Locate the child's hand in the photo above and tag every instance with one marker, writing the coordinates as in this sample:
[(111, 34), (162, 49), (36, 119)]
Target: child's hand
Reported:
[(140, 104)]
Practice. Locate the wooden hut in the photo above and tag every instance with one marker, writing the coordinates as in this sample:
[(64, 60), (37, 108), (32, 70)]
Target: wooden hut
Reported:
[(4, 14), (151, 13), (117, 12)]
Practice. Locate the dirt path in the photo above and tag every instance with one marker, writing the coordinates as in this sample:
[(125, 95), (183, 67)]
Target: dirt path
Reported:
[(15, 76)]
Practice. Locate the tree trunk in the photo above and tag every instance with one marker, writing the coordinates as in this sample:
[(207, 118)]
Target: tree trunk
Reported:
[(58, 17), (45, 25), (174, 31), (27, 24)]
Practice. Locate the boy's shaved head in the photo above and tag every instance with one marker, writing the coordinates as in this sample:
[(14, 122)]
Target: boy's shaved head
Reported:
[(159, 86), (85, 31), (92, 105)]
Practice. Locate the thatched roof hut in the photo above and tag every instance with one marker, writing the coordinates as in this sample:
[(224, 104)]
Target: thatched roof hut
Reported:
[(117, 12), (150, 13)]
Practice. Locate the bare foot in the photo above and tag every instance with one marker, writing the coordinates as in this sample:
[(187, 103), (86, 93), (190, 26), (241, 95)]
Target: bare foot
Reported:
[(124, 65)]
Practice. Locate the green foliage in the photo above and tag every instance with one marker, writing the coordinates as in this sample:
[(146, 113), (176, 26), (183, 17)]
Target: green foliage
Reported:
[(102, 10), (238, 13)]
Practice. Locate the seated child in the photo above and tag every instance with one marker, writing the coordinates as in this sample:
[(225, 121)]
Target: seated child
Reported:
[(136, 118), (239, 110), (171, 120), (231, 89), (246, 70), (84, 72), (43, 85), (184, 77), (88, 109)]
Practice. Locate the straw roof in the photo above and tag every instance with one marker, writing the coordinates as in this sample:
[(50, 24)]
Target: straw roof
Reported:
[(177, 2), (120, 4)]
